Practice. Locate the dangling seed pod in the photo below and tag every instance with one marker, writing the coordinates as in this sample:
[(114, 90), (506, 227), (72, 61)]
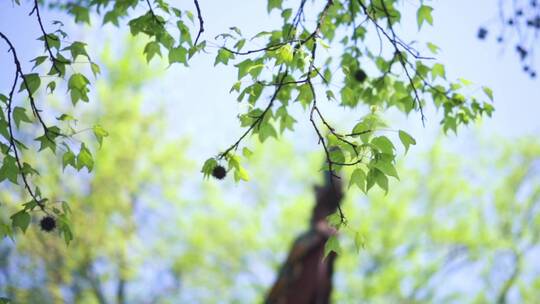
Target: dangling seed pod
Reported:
[(219, 172), (360, 75), (48, 223), (482, 33)]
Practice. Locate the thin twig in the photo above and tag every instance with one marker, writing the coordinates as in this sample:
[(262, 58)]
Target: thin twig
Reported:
[(45, 38), (201, 21), (12, 139)]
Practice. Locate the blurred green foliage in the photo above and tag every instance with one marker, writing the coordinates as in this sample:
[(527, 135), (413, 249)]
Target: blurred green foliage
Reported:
[(455, 230)]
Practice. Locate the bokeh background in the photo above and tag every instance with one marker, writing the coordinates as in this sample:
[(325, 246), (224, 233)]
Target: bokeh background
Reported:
[(461, 226)]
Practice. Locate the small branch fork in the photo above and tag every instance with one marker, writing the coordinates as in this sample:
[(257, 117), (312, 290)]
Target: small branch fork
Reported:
[(154, 16), (259, 119), (397, 45), (53, 59), (199, 17)]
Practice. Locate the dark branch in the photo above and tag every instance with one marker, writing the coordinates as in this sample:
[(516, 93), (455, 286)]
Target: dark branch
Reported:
[(259, 119), (53, 59), (12, 139), (396, 43), (201, 21)]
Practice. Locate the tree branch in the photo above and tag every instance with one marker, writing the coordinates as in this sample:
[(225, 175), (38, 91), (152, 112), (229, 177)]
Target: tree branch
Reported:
[(201, 21)]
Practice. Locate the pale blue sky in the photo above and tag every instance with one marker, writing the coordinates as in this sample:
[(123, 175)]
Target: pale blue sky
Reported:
[(201, 106), (199, 95)]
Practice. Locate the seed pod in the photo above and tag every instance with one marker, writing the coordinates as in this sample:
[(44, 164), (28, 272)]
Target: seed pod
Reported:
[(48, 223), (219, 172), (360, 75)]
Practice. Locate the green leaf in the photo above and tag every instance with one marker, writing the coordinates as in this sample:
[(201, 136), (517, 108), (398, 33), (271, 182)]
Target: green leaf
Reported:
[(84, 159), (241, 174), (100, 133), (364, 130), (95, 69), (31, 82), (65, 117), (243, 68), (334, 220), (223, 56), (406, 140), (348, 97), (433, 48), (465, 82), (77, 85), (265, 131), (236, 30), (332, 244), (383, 144), (274, 4), (286, 121), (69, 159), (382, 181), (9, 169), (112, 17), (375, 176), (151, 49), (52, 40), (330, 95), (358, 178), (285, 53), (208, 167), (488, 92), (68, 235), (64, 227), (77, 49), (38, 60), (46, 142), (438, 71), (247, 152), (305, 95), (19, 114), (51, 86), (424, 15), (240, 44), (178, 54), (21, 219), (234, 161), (28, 170), (82, 14), (386, 168)]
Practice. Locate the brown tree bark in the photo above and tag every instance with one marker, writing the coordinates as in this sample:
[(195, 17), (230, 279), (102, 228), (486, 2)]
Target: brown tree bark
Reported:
[(306, 276)]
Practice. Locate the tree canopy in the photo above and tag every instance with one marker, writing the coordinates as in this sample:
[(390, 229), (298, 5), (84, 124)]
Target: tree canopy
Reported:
[(414, 244), (349, 54)]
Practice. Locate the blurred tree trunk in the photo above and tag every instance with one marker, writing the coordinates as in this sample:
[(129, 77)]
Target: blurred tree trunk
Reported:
[(306, 275)]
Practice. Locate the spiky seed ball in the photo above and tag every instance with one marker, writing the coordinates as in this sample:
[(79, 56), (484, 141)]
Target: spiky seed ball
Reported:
[(482, 33), (219, 172), (48, 223), (360, 75)]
